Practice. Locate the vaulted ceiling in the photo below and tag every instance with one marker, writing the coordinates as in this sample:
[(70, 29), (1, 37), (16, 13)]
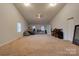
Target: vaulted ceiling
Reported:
[(39, 13)]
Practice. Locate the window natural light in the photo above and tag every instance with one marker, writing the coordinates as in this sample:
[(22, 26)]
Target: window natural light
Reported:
[(42, 28), (33, 27), (18, 27)]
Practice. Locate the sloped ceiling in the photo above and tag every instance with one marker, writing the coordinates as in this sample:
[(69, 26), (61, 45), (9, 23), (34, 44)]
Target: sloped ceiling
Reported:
[(47, 13)]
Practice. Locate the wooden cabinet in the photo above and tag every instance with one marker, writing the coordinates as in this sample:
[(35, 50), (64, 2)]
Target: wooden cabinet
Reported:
[(57, 33)]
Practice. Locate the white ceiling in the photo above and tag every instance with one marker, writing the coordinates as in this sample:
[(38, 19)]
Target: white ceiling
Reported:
[(47, 12)]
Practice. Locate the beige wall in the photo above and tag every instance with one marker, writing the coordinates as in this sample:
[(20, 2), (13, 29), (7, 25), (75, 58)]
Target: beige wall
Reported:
[(9, 16), (60, 21)]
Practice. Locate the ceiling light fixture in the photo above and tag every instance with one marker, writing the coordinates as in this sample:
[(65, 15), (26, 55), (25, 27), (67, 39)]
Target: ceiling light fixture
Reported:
[(27, 4), (38, 16), (53, 4)]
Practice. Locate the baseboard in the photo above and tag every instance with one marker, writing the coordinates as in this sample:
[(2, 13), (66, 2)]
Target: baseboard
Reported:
[(7, 42)]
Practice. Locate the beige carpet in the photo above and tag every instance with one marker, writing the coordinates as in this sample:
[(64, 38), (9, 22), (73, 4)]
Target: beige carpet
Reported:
[(39, 45)]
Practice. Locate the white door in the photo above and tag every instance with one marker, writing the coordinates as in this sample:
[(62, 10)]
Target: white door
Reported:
[(70, 29)]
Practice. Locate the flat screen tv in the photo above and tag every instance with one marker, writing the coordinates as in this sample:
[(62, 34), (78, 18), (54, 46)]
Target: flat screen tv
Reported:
[(76, 35)]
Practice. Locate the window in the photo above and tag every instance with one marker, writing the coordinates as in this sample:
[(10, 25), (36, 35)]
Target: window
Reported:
[(33, 27), (42, 28), (18, 27)]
